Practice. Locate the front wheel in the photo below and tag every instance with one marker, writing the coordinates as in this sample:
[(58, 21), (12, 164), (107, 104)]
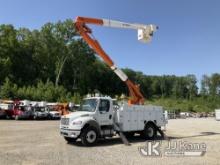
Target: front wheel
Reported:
[(89, 136)]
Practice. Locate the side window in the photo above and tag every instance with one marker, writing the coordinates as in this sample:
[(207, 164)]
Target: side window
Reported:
[(104, 106)]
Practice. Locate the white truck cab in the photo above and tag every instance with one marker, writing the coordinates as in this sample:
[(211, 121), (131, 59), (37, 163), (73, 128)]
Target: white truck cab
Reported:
[(98, 117)]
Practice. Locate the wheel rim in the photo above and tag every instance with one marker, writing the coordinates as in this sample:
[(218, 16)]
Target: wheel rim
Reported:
[(91, 136), (150, 132)]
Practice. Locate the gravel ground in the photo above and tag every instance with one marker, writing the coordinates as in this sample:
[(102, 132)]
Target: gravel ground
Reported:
[(39, 142)]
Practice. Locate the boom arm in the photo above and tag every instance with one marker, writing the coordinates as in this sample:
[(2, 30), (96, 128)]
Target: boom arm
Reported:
[(145, 32)]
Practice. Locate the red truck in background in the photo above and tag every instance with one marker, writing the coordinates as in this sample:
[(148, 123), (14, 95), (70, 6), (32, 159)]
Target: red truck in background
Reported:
[(25, 109), (10, 109)]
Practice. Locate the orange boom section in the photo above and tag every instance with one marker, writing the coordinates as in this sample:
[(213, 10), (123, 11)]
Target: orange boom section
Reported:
[(135, 95)]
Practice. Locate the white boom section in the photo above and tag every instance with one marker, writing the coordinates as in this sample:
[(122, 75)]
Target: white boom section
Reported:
[(120, 73), (145, 32)]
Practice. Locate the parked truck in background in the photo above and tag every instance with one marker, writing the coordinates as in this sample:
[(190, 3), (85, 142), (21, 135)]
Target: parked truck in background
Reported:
[(25, 110), (52, 112), (11, 108), (3, 108), (40, 110)]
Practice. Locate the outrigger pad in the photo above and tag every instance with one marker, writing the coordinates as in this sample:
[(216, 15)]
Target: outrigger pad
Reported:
[(161, 133), (122, 136), (124, 139)]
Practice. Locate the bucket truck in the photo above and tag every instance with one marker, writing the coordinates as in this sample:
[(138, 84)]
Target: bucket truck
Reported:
[(98, 117)]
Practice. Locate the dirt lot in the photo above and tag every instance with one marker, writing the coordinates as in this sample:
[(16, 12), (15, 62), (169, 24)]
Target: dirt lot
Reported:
[(39, 142)]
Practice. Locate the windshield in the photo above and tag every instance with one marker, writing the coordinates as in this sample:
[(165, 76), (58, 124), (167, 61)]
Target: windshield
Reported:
[(50, 108), (40, 109), (88, 105), (24, 108)]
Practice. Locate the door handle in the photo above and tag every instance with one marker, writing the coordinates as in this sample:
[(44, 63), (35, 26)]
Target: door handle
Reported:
[(110, 116)]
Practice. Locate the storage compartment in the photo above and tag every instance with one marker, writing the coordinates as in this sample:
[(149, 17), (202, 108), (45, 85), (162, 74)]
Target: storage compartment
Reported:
[(134, 117)]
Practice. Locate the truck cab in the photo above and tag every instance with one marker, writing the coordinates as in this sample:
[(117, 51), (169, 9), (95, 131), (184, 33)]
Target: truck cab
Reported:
[(95, 113), (52, 113), (25, 112), (13, 110), (40, 112)]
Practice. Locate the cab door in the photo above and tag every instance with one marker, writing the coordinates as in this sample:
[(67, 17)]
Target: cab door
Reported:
[(105, 113)]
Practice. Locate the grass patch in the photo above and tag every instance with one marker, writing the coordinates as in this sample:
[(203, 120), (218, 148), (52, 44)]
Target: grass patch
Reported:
[(196, 105)]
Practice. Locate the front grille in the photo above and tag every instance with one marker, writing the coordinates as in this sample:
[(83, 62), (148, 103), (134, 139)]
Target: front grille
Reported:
[(65, 121)]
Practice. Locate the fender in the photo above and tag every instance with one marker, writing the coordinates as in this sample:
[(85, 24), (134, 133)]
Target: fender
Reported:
[(89, 121)]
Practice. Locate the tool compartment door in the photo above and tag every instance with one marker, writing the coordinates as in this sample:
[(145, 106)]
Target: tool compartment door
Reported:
[(140, 119), (133, 120)]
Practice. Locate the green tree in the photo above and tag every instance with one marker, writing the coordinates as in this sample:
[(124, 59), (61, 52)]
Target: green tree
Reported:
[(8, 50), (8, 90), (191, 86), (205, 84)]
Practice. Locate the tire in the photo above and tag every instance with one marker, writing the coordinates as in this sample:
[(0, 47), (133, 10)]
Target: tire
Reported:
[(50, 117), (149, 132), (70, 140), (35, 117), (16, 117), (89, 136)]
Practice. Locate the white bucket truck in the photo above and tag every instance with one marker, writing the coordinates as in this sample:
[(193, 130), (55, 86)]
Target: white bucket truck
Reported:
[(99, 118)]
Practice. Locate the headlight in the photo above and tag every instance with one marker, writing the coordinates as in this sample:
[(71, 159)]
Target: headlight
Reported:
[(77, 122)]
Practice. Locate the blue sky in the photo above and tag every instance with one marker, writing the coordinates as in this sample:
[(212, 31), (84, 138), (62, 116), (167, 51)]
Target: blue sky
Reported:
[(187, 42)]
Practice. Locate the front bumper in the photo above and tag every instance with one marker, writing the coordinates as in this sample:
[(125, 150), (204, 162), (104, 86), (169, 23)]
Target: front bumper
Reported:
[(55, 116), (41, 116), (69, 132)]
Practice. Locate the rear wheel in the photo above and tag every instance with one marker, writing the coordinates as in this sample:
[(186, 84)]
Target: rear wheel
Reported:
[(70, 140), (149, 131), (89, 136)]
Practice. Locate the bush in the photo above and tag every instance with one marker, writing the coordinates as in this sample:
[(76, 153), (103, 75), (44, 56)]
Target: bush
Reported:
[(8, 89), (42, 91), (196, 105)]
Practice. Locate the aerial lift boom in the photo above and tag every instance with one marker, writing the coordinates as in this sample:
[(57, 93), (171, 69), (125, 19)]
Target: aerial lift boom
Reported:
[(145, 33)]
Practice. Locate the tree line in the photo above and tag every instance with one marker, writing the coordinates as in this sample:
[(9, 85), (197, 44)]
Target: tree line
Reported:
[(53, 63)]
